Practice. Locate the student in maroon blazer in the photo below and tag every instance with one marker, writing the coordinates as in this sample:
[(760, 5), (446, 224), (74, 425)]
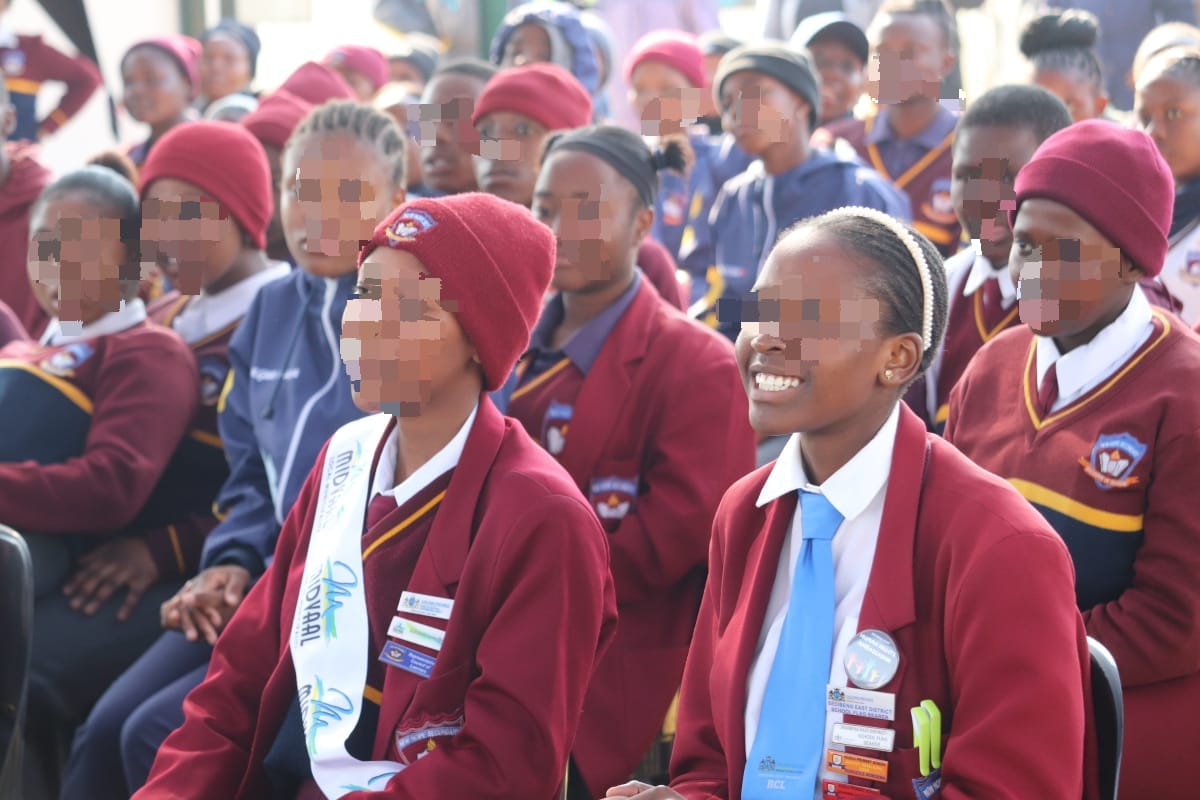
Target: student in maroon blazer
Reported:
[(940, 560), (474, 538), (641, 406)]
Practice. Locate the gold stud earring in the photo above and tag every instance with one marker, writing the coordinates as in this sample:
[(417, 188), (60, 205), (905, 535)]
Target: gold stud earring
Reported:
[(888, 374)]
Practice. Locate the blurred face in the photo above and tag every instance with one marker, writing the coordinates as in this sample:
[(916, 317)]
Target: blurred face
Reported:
[(663, 99), (401, 343), (509, 147), (909, 58), (842, 76), (275, 238), (810, 349), (335, 192), (402, 71), (1083, 99), (187, 234), (595, 218), (761, 112), (1070, 278), (528, 44), (1169, 110), (448, 139), (75, 259), (224, 66), (986, 162), (156, 92)]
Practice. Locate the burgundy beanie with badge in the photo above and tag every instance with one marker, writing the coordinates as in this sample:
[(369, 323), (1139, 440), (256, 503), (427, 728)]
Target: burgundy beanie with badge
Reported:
[(1112, 176), (546, 93), (224, 160), (493, 258), (678, 50)]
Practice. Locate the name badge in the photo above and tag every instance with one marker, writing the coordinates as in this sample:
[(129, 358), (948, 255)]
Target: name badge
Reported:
[(837, 791), (864, 736), (860, 703), (416, 633), (425, 605), (872, 769), (407, 659)]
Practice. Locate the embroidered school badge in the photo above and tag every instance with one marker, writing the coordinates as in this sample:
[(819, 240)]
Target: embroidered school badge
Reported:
[(1190, 271), (940, 208), (65, 361), (13, 63), (1113, 460), (555, 425), (409, 226), (414, 742), (213, 373), (673, 209), (613, 497)]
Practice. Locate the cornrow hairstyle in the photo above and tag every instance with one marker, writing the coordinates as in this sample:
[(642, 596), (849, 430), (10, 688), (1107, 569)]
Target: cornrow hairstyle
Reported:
[(1065, 41), (1164, 37), (1180, 63), (370, 127), (627, 153), (1018, 106), (937, 10), (114, 196), (896, 280), (475, 68)]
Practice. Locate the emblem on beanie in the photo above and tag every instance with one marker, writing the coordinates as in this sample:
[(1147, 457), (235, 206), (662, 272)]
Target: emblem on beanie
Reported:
[(1191, 269), (1113, 460), (409, 225)]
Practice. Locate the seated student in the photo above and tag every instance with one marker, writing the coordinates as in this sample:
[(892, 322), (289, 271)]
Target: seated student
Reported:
[(31, 63), (285, 395), (228, 60), (480, 674), (770, 98), (876, 542), (1167, 106), (1061, 48), (160, 83), (1087, 409), (603, 389), (22, 179), (547, 30), (449, 141), (272, 123), (363, 68), (910, 136), (996, 138), (102, 400), (839, 51)]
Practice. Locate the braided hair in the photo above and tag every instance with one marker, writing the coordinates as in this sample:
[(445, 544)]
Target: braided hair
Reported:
[(372, 128)]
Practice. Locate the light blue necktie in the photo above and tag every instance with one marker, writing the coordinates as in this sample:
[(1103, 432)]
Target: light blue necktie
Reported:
[(786, 759)]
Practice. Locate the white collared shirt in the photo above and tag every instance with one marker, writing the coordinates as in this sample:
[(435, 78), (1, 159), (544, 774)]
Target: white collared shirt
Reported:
[(205, 314), (857, 491), (982, 270), (1089, 365), (132, 312), (445, 459)]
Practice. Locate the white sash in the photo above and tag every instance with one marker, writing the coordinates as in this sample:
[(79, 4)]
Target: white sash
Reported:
[(330, 632)]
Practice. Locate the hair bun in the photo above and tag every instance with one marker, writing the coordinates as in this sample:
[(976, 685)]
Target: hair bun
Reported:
[(1060, 30), (118, 162), (673, 153)]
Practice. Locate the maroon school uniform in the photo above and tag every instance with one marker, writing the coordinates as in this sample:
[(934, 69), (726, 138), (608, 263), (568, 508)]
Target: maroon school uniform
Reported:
[(514, 545), (27, 178), (32, 63), (114, 408), (659, 266), (1114, 473), (11, 329), (653, 432)]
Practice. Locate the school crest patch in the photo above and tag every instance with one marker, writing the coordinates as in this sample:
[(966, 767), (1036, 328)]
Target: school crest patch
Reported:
[(414, 742), (65, 361), (409, 225), (213, 372), (673, 206), (1113, 459), (613, 497), (12, 62), (555, 426), (940, 208), (1190, 271)]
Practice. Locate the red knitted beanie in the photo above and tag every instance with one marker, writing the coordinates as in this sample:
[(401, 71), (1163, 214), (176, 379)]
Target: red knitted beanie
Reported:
[(367, 61), (546, 93), (677, 49), (493, 258), (224, 160), (276, 117), (184, 50), (1114, 178), (316, 83)]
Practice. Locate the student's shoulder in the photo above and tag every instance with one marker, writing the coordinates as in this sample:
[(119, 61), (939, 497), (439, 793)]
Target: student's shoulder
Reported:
[(148, 347), (1009, 347)]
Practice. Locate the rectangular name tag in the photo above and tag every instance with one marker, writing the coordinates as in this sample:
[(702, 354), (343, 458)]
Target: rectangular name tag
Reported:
[(407, 659), (872, 769), (860, 703), (415, 633), (882, 739), (838, 791), (425, 605)]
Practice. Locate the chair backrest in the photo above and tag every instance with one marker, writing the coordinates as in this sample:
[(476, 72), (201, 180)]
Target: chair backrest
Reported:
[(16, 627), (1109, 712)]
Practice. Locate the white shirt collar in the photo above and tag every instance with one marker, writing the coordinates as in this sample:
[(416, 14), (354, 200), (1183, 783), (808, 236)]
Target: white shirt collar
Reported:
[(852, 488), (982, 270), (444, 460), (205, 314), (1089, 363), (131, 313)]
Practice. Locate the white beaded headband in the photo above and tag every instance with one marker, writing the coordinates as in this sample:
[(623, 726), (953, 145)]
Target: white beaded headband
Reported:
[(918, 257)]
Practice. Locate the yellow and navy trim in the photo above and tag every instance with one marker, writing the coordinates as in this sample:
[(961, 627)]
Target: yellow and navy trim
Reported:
[(65, 388), (1081, 512)]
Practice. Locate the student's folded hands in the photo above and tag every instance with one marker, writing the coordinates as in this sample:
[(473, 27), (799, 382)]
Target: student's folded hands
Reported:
[(206, 603), (122, 563), (644, 791)]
